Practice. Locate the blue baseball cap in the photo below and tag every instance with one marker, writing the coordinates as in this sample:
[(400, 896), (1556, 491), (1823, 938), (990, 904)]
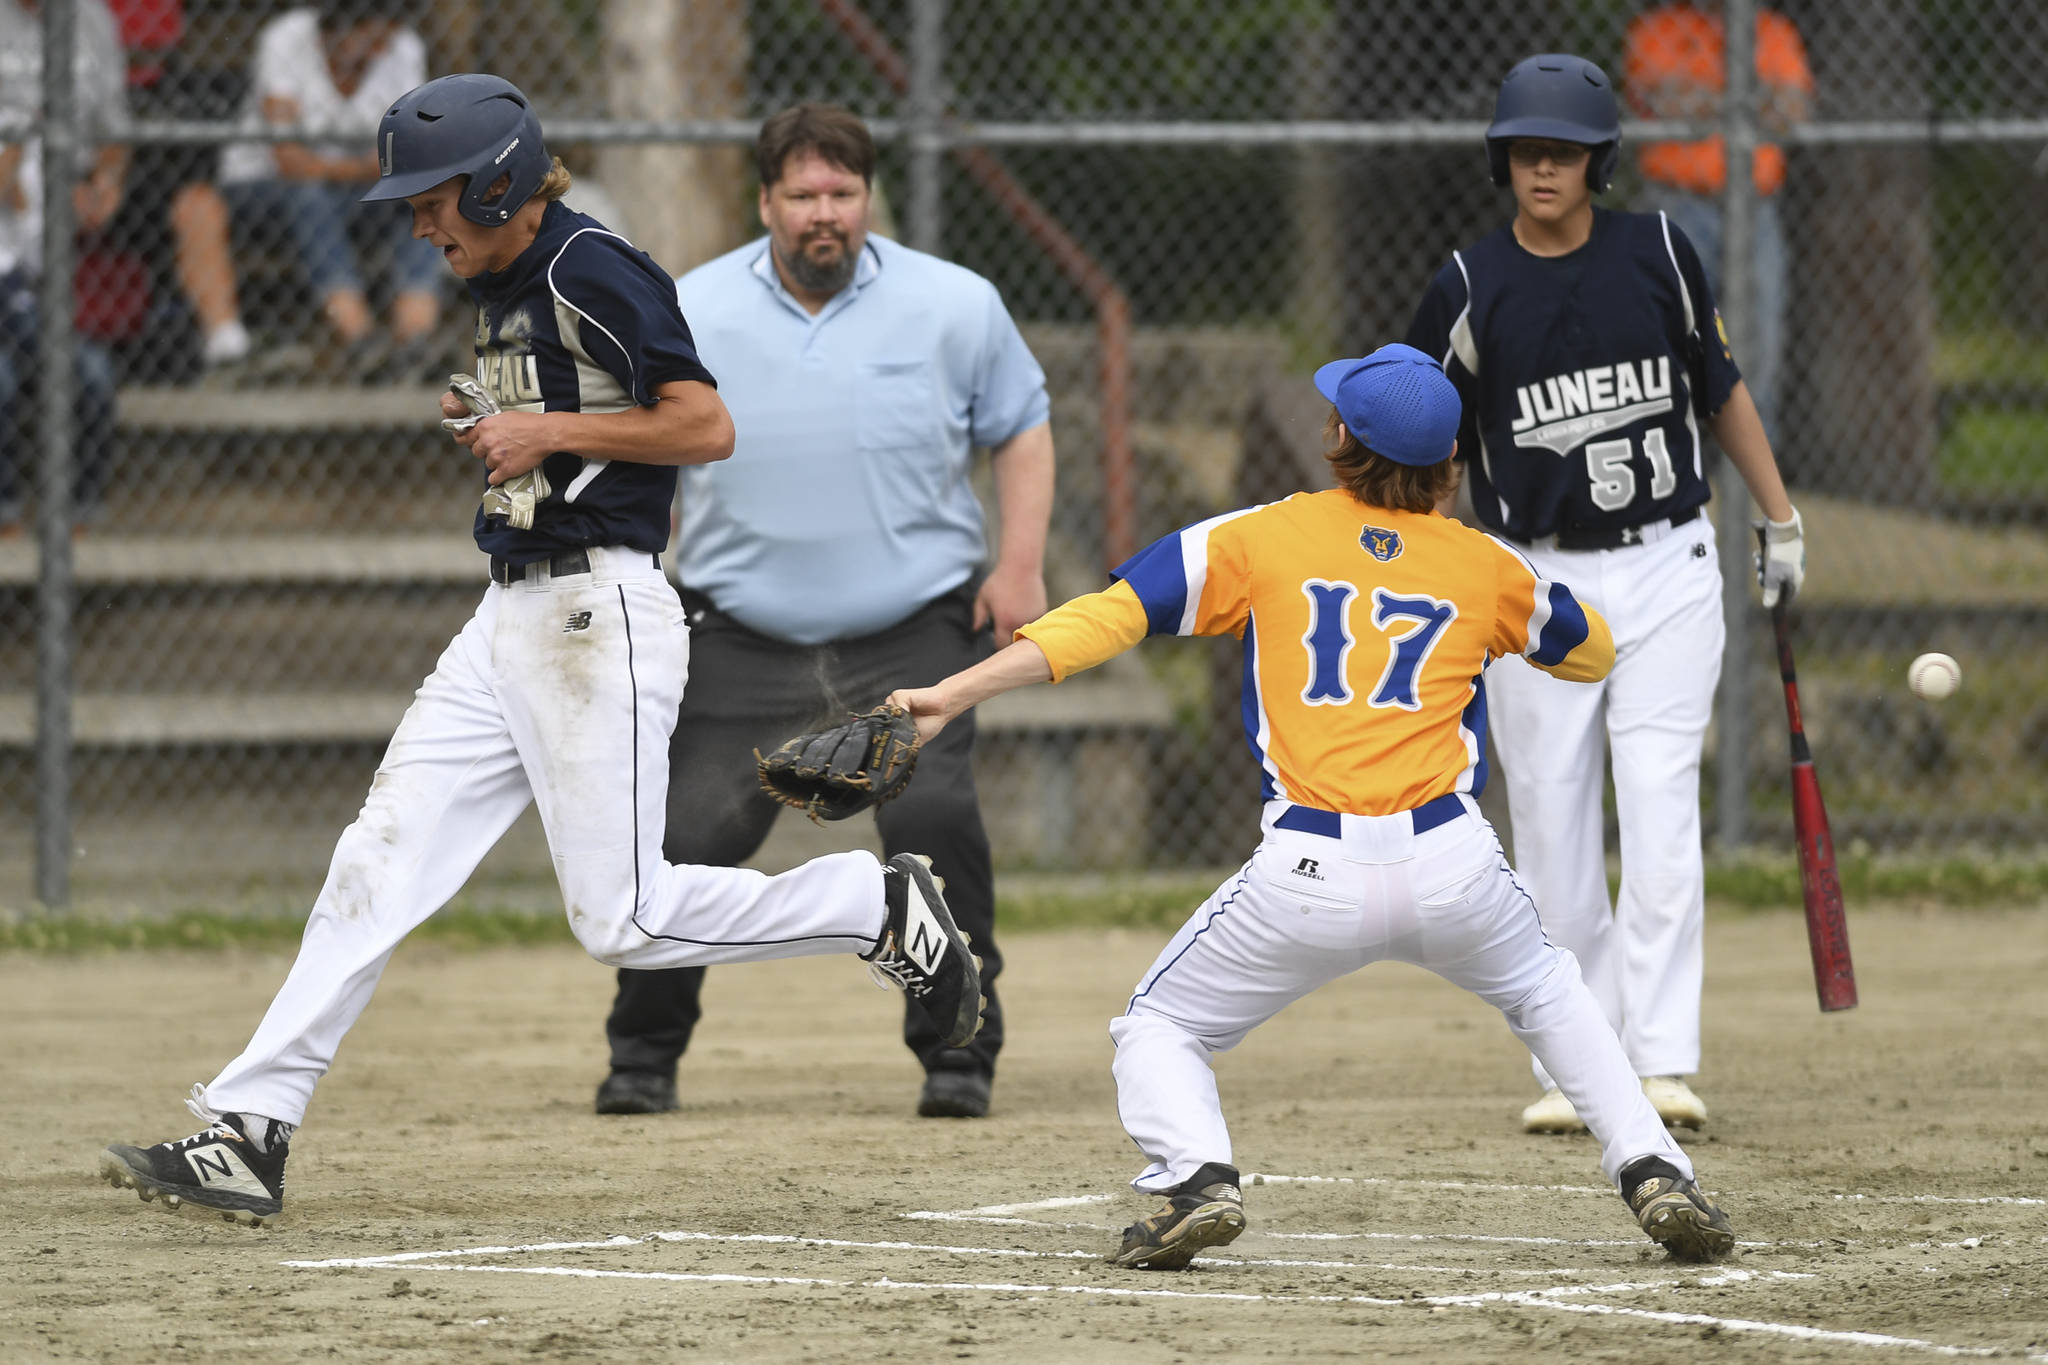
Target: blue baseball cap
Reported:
[(1397, 402)]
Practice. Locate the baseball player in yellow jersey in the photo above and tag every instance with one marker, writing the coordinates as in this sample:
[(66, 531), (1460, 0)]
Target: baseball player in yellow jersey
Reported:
[(1366, 619)]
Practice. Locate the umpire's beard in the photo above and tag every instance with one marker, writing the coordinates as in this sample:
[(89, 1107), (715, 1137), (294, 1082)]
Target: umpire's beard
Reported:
[(822, 277)]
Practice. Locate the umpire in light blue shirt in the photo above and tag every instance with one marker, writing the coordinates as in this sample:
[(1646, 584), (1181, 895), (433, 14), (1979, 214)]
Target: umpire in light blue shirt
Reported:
[(840, 553)]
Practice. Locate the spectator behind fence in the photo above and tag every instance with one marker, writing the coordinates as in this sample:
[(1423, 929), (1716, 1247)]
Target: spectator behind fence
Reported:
[(102, 170), (336, 67), (1676, 69), (173, 215)]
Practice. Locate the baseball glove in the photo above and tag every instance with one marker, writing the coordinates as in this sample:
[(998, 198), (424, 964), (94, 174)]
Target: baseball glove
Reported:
[(831, 774)]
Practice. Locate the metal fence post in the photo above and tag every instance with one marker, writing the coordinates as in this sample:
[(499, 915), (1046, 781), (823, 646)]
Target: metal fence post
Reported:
[(927, 115), (60, 149), (1738, 219)]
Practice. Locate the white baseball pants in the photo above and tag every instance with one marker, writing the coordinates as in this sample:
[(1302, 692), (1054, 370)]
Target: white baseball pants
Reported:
[(1309, 908), (1642, 957), (560, 692)]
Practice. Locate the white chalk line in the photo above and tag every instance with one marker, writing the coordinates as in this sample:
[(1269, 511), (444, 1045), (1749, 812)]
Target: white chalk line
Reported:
[(1260, 1177), (1935, 1199), (783, 1239), (1005, 1214), (1796, 1331), (885, 1282), (935, 1216), (976, 1216), (1558, 1298), (1113, 1291), (1046, 1225), (1065, 1201), (1264, 1178)]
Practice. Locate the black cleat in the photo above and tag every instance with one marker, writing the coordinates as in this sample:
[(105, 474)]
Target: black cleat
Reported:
[(954, 1095), (1676, 1213), (924, 952), (636, 1092), (218, 1170), (1206, 1210)]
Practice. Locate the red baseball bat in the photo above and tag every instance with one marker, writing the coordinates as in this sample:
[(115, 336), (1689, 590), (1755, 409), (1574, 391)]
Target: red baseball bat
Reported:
[(1827, 926)]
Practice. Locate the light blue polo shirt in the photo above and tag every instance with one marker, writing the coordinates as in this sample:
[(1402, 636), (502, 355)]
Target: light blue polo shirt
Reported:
[(846, 505)]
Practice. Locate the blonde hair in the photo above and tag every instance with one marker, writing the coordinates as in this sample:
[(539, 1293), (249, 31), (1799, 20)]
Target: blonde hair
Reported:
[(556, 185)]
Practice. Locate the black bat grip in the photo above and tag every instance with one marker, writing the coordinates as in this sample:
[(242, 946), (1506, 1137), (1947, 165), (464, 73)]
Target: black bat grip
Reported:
[(1784, 633), (1800, 752)]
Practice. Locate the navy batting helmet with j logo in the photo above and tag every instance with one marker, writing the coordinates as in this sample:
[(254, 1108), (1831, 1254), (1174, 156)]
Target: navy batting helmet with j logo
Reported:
[(468, 124)]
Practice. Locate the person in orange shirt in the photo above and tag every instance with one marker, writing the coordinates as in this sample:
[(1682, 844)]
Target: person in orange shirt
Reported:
[(1366, 618), (1676, 69)]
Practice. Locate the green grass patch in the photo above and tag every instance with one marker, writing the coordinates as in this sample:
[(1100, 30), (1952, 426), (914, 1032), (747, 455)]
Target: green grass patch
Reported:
[(1159, 901), (1989, 355), (1995, 450), (1153, 902), (1958, 882), (213, 931)]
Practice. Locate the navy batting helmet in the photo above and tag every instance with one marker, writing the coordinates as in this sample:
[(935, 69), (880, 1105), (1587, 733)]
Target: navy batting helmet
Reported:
[(470, 124), (1562, 98)]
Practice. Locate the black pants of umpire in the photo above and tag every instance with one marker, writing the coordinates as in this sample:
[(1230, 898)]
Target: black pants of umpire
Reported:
[(747, 692)]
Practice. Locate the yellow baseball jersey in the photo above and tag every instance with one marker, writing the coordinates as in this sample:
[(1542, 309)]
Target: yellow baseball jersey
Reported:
[(1365, 632)]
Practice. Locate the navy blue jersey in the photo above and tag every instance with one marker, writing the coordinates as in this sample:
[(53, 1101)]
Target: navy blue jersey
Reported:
[(1585, 377), (582, 321)]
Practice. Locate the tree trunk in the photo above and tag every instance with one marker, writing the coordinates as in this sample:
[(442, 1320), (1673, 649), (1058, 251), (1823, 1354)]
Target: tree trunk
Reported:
[(678, 59)]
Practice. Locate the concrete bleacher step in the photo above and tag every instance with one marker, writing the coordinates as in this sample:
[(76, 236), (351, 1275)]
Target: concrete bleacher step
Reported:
[(128, 561), (201, 408), (1178, 374), (319, 639), (1120, 700)]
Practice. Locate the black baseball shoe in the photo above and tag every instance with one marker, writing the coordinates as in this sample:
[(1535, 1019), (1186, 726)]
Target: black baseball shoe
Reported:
[(1205, 1210), (924, 952), (1675, 1212), (952, 1094), (636, 1092), (219, 1170)]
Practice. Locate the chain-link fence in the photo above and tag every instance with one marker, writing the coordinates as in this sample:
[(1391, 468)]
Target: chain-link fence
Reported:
[(1186, 203)]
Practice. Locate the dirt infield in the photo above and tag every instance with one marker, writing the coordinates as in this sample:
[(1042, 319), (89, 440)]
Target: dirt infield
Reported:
[(1886, 1169)]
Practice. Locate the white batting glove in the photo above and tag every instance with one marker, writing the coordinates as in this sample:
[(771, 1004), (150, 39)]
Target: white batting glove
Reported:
[(1780, 558)]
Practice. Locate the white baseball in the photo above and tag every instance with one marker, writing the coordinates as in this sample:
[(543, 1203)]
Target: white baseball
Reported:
[(1934, 676)]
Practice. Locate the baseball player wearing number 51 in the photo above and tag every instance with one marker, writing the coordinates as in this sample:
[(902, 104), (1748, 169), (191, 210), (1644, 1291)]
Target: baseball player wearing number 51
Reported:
[(563, 688), (1366, 618), (1588, 352)]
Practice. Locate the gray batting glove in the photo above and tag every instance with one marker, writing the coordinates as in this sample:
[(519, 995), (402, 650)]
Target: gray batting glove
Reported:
[(1780, 558), (476, 397)]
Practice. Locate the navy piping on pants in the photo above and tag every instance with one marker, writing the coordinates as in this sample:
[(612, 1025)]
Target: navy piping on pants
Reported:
[(675, 938), (626, 616), (1213, 915)]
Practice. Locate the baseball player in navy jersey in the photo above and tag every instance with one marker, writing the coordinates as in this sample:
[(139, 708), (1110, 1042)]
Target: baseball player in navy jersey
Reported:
[(1592, 364), (562, 689)]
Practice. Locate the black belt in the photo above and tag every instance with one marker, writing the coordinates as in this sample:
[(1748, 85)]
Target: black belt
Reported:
[(504, 571), (1426, 817), (1614, 537)]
